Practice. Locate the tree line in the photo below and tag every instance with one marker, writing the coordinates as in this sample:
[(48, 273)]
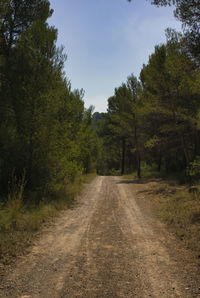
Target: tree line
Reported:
[(154, 120), (45, 130)]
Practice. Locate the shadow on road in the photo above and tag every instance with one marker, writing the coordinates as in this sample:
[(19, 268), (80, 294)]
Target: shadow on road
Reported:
[(138, 181)]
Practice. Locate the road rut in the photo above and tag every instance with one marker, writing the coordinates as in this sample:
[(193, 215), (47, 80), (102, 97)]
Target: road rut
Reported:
[(107, 245)]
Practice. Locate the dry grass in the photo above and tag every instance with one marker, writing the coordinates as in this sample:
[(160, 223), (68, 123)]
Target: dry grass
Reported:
[(181, 211)]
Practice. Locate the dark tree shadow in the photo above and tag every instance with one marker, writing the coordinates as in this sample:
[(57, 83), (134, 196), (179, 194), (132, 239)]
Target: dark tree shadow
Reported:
[(138, 181)]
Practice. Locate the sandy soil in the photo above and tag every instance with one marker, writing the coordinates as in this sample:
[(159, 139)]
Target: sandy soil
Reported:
[(108, 245)]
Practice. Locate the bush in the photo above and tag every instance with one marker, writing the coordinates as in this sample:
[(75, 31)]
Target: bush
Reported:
[(15, 199)]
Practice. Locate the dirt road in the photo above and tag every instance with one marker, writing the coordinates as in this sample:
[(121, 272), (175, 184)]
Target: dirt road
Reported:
[(108, 245)]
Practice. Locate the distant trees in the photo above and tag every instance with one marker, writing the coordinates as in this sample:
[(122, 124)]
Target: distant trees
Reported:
[(124, 117), (120, 127)]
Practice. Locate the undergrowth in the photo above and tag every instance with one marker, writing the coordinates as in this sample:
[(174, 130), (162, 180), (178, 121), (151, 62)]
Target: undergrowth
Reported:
[(152, 172), (19, 221)]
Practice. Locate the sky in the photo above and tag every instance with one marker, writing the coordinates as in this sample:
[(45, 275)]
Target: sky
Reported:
[(106, 41)]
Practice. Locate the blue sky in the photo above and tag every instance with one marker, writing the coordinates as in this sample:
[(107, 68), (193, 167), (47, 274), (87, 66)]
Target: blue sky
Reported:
[(107, 40)]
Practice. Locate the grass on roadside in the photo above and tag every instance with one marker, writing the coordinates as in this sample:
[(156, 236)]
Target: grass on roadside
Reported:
[(88, 178), (19, 222), (181, 212)]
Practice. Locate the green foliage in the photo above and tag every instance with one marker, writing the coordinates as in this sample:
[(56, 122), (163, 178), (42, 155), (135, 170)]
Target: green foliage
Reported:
[(194, 168), (120, 130), (44, 127), (173, 103), (17, 16), (151, 143)]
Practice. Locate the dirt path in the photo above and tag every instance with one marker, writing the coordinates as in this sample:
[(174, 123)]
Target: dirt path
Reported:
[(108, 245)]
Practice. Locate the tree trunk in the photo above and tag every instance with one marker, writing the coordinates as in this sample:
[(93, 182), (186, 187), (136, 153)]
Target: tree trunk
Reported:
[(167, 165), (187, 159), (123, 156), (159, 161), (30, 158), (196, 143), (137, 155), (138, 165)]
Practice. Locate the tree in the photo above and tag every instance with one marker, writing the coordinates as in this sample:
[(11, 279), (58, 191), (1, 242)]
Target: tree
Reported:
[(109, 159), (17, 16), (167, 82), (123, 110)]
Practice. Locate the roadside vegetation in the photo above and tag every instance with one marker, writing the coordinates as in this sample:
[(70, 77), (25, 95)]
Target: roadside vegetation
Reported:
[(181, 212), (19, 222), (179, 208)]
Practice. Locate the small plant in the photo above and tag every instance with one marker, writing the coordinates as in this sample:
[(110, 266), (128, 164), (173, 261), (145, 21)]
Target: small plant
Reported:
[(15, 198), (114, 172), (194, 169)]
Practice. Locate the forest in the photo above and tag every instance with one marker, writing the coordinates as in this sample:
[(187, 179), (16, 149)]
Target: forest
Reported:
[(48, 139)]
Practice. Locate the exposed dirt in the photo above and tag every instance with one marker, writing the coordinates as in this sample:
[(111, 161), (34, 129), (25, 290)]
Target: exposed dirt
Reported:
[(108, 245)]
